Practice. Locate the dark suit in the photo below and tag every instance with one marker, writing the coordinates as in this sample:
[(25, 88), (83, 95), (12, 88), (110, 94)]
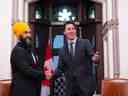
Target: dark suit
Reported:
[(78, 69), (26, 75)]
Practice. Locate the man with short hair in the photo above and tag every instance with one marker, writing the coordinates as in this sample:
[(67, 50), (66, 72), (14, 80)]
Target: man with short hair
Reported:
[(75, 61)]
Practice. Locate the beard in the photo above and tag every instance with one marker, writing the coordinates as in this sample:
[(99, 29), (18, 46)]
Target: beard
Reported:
[(28, 42)]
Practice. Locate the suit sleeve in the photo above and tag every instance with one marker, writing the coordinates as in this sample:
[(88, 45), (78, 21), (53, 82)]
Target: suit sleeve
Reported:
[(88, 47), (21, 62)]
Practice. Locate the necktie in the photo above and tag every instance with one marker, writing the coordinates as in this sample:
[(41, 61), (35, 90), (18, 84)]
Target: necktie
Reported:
[(71, 49)]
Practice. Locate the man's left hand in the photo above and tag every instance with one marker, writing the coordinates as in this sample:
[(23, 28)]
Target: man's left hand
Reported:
[(96, 57)]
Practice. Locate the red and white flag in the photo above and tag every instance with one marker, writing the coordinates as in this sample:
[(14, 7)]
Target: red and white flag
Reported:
[(45, 87)]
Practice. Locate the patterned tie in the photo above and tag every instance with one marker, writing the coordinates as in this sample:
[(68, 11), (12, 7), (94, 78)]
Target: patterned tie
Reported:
[(34, 58)]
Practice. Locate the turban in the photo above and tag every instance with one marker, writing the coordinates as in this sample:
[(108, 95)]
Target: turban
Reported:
[(19, 28)]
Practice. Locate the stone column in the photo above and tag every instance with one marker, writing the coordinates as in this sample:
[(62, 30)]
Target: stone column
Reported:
[(5, 38)]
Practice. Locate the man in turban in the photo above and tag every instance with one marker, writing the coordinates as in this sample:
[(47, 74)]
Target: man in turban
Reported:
[(26, 70)]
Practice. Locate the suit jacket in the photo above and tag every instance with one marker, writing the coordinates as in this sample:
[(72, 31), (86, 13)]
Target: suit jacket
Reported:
[(77, 69), (26, 78)]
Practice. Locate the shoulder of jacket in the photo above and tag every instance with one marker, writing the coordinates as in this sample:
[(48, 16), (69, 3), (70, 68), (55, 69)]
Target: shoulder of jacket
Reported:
[(18, 49), (84, 40)]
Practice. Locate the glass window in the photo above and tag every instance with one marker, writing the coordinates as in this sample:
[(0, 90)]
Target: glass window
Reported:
[(58, 41)]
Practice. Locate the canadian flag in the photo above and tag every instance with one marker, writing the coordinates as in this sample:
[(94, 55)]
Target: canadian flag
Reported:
[(47, 68)]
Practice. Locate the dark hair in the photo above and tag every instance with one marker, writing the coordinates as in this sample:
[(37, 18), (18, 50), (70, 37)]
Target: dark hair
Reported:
[(70, 22)]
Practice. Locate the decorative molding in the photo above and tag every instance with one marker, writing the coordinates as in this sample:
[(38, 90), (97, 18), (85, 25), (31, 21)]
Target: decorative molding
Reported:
[(26, 5), (14, 11), (116, 55), (62, 23), (100, 1), (106, 50), (31, 0), (109, 25), (113, 26)]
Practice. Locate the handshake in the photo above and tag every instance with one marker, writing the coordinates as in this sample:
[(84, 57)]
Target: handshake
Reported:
[(48, 70)]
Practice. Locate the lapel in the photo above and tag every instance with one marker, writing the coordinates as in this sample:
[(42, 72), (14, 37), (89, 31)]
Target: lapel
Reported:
[(77, 48), (34, 57), (66, 51)]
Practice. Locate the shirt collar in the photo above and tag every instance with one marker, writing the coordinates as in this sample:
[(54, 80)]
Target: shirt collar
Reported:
[(74, 41)]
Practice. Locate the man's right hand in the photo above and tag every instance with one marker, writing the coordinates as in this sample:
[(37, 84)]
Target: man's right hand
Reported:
[(48, 73)]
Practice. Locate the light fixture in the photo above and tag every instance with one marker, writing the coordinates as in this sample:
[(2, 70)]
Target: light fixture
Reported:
[(37, 14), (73, 18), (92, 13), (64, 15)]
